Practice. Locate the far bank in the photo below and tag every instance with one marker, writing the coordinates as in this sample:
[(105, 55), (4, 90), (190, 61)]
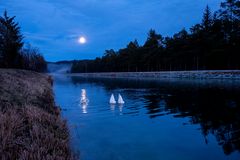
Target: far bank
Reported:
[(205, 74)]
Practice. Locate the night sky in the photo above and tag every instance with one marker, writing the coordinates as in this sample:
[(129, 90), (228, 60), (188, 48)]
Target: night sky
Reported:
[(54, 26)]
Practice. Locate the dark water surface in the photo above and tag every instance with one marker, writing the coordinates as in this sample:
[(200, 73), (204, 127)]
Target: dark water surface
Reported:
[(161, 120)]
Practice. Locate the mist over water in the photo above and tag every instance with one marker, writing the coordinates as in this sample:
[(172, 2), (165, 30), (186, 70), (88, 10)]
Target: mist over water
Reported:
[(59, 68), (167, 119)]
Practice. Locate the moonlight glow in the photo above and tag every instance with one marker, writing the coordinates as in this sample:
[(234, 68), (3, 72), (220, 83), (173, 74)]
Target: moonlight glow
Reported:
[(82, 40)]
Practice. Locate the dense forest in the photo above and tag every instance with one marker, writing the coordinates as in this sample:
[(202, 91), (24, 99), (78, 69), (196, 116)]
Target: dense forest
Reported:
[(13, 52), (210, 45)]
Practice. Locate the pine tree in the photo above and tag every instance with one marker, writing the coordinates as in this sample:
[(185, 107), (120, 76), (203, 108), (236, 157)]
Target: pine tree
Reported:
[(154, 40), (11, 42), (133, 45), (207, 19), (230, 10)]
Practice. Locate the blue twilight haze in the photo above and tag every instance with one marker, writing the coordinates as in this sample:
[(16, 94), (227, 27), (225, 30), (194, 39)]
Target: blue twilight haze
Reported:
[(54, 26)]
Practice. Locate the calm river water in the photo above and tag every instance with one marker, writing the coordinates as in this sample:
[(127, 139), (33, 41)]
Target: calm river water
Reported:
[(160, 120)]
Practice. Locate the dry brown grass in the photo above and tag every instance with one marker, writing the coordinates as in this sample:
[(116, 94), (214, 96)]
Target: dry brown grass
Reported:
[(30, 124)]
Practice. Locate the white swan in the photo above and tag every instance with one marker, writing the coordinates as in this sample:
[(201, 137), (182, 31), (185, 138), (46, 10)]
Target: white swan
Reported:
[(120, 99), (112, 100), (84, 99)]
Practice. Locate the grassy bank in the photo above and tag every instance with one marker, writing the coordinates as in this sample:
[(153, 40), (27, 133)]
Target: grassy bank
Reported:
[(30, 122)]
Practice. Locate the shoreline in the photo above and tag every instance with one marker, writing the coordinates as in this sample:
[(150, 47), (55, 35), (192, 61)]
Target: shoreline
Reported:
[(31, 124), (204, 74)]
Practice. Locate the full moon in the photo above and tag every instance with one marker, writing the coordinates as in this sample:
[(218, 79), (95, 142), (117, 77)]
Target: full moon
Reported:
[(82, 40)]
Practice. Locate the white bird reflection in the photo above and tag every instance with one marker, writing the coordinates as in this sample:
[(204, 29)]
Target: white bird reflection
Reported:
[(120, 108), (84, 108), (84, 101), (112, 107)]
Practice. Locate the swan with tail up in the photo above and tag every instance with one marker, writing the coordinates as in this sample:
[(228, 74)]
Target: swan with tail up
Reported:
[(84, 99), (120, 99), (112, 100)]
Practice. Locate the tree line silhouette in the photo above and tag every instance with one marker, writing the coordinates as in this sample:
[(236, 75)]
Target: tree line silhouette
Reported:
[(212, 44), (13, 53)]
